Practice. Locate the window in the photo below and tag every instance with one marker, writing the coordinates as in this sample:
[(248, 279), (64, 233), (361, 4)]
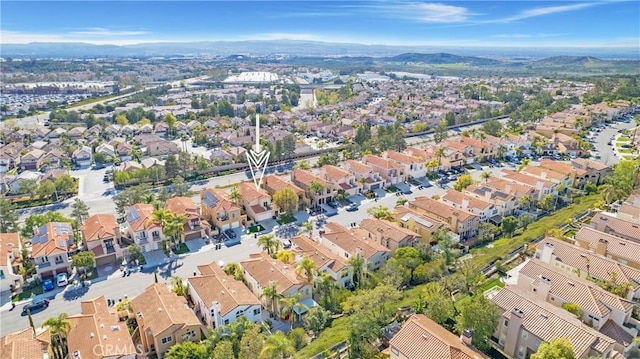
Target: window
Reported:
[(395, 351), (226, 321), (256, 311), (506, 323), (167, 340), (520, 352), (525, 335)]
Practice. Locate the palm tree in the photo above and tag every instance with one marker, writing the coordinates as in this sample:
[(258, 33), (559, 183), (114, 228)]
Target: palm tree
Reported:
[(286, 257), (502, 149), (306, 267), (431, 165), (277, 346), (326, 287), (358, 269), (307, 227), (270, 293), (302, 165), (400, 202), (441, 152), (525, 201), (485, 176), (380, 212), (269, 244), (289, 306), (235, 195), (178, 286), (59, 327), (315, 188), (161, 215)]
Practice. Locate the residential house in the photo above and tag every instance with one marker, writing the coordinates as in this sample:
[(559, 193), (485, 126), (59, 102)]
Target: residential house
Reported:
[(125, 151), (10, 258), (391, 171), (19, 181), (577, 177), (161, 148), (161, 129), (560, 179), (388, 234), (220, 211), (97, 333), (482, 150), (56, 133), (421, 338), (53, 159), (304, 180), (273, 184), (10, 156), (25, 344), (600, 309), (261, 271), (32, 160), (50, 247), (220, 300), (541, 187), (460, 221), (457, 154), (486, 210), (616, 226), (220, 157), (515, 189), (608, 245), (586, 263), (526, 321), (142, 228), (629, 210), (256, 202), (83, 157), (193, 227), (106, 150), (596, 171), (237, 153), (419, 223), (164, 319), (506, 203), (76, 132), (566, 144), (347, 244), (365, 175), (326, 261), (340, 179), (414, 167), (101, 234)]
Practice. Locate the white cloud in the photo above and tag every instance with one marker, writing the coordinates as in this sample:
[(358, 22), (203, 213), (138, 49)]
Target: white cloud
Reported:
[(434, 12), (282, 36), (523, 36), (97, 36), (98, 31), (541, 11)]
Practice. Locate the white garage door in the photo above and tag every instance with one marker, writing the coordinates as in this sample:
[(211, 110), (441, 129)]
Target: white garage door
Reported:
[(225, 227), (235, 225)]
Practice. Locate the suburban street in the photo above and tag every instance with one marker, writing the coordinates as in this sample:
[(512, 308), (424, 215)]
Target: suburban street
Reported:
[(606, 151)]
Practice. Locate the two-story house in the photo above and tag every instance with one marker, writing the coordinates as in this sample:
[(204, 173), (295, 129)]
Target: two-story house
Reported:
[(505, 203), (388, 234), (143, 228), (326, 261), (391, 171), (101, 234), (50, 247), (261, 271), (220, 300), (83, 157), (273, 184), (596, 171), (340, 179), (32, 160), (348, 243), (220, 211), (526, 321), (365, 175), (194, 227), (255, 201), (616, 226), (540, 186), (10, 156), (10, 257), (97, 333), (482, 150), (419, 223), (307, 180), (414, 167), (460, 221), (486, 210), (624, 251), (27, 343), (164, 319)]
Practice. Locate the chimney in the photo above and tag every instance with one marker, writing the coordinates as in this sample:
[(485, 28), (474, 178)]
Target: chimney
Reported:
[(513, 331), (543, 287), (465, 203), (118, 233), (466, 337), (601, 246), (547, 252)]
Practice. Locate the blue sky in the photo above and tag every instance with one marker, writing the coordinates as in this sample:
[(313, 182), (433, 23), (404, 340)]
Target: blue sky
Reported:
[(441, 23)]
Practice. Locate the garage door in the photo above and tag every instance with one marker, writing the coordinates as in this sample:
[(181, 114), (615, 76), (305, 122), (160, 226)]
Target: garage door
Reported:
[(193, 235), (106, 260), (235, 225), (375, 186), (225, 227)]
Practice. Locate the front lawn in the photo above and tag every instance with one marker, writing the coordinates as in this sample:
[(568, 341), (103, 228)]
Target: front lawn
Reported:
[(181, 249), (493, 282), (256, 228), (287, 218), (28, 292)]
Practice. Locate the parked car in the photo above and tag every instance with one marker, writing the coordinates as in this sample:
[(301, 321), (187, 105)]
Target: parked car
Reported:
[(36, 305), (62, 279), (352, 208), (47, 284), (230, 233)]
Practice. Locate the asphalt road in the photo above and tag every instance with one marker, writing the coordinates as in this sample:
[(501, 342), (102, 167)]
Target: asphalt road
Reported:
[(606, 151)]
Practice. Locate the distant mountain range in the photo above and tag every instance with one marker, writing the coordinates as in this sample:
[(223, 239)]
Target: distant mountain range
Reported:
[(275, 48)]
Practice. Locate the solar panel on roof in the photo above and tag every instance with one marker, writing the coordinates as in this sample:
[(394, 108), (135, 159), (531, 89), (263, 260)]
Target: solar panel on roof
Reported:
[(210, 199)]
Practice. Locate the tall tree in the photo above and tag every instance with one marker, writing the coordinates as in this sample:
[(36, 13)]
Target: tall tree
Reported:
[(171, 121), (509, 225), (179, 186), (290, 305), (270, 293), (171, 166), (480, 315), (59, 326), (307, 268), (358, 269), (440, 133), (223, 350), (269, 244), (380, 212), (8, 217), (85, 260), (235, 195), (187, 350), (277, 346), (463, 182), (286, 199), (79, 211), (179, 287), (558, 348)]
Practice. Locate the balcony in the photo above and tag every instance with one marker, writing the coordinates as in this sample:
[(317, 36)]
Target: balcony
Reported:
[(44, 265)]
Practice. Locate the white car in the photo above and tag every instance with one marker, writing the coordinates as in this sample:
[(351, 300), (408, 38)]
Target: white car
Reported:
[(62, 279)]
